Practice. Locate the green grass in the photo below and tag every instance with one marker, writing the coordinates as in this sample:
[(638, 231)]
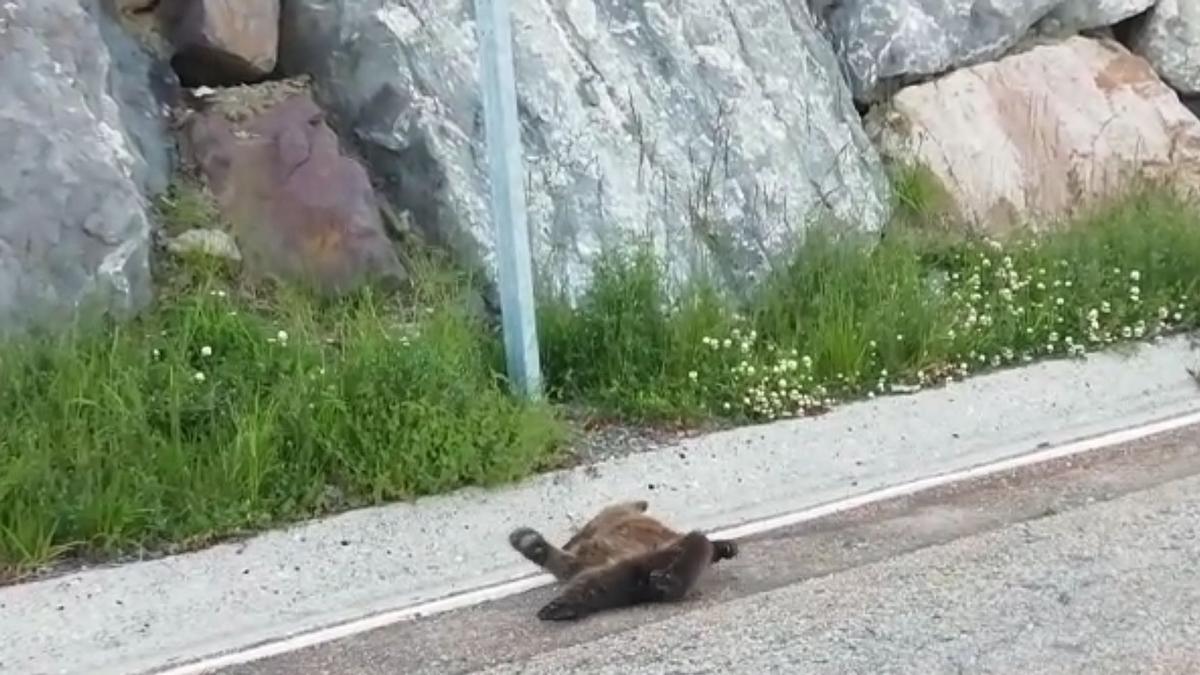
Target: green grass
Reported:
[(227, 409), (848, 319), (219, 413)]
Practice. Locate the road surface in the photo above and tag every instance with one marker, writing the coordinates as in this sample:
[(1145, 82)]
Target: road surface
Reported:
[(1084, 566)]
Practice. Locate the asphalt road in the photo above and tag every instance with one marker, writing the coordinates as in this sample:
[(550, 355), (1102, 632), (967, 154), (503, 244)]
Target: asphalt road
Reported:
[(1087, 566)]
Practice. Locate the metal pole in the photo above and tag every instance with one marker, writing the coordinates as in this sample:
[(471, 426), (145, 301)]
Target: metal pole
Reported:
[(498, 84)]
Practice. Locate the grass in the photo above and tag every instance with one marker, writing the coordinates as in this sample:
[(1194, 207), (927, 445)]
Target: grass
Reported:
[(228, 409), (223, 411), (848, 319)]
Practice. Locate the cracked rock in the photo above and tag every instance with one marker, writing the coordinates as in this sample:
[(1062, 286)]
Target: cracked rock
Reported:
[(720, 129)]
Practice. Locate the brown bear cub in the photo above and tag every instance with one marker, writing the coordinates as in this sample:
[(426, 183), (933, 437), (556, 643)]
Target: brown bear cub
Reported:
[(621, 557)]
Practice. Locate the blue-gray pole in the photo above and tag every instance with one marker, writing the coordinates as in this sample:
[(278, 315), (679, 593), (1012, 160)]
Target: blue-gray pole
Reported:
[(502, 128)]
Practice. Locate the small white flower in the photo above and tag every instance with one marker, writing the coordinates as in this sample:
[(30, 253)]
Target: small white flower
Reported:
[(206, 351), (692, 375), (282, 335), (199, 377), (1135, 275)]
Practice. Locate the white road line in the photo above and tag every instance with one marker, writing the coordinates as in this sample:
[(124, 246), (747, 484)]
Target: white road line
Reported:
[(525, 583)]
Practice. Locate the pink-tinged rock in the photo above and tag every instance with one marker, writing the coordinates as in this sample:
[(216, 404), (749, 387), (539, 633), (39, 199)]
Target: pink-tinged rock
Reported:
[(300, 210), (223, 42), (1041, 134)]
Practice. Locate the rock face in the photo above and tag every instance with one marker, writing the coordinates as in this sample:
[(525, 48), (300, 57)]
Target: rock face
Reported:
[(1170, 39), (1043, 133), (144, 87), (1076, 15), (74, 229), (885, 44), (301, 211), (223, 42), (715, 127)]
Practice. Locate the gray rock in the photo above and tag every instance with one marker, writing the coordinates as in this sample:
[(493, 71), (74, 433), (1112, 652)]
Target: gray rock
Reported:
[(1170, 39), (74, 230), (1078, 15), (884, 44), (144, 87), (717, 128)]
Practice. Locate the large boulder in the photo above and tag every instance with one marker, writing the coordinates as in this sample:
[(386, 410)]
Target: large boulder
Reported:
[(886, 44), (719, 129), (1169, 38), (301, 211), (80, 148), (1077, 15), (1042, 134)]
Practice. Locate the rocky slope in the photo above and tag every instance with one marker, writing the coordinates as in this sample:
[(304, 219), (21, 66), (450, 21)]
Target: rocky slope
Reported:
[(721, 130)]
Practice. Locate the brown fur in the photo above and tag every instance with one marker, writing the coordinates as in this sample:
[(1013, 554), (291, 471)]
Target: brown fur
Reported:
[(620, 557)]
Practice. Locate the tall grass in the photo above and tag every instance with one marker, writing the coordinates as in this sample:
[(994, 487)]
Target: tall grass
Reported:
[(848, 318), (218, 413)]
